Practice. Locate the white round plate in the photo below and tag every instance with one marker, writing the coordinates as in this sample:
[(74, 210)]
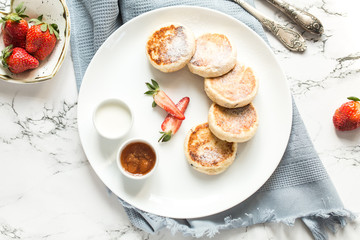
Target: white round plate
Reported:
[(120, 69)]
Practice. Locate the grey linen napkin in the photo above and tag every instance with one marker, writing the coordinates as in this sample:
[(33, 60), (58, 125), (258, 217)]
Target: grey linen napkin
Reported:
[(299, 188)]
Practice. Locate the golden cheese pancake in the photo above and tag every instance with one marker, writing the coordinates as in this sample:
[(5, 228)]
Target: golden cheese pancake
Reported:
[(170, 47), (214, 56), (206, 153), (233, 124), (235, 89)]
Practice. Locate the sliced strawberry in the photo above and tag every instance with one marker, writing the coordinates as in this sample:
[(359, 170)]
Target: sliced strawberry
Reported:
[(162, 100), (171, 124)]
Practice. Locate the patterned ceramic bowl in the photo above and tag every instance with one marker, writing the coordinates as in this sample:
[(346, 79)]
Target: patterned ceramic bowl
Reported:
[(53, 11)]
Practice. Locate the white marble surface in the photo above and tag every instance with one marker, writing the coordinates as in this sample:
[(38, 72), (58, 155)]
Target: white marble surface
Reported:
[(48, 190)]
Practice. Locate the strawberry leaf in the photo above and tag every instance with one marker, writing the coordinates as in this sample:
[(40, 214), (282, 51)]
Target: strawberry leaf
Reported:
[(55, 26), (166, 136), (353, 98), (19, 7), (23, 15), (155, 84), (44, 27), (20, 10), (56, 35), (150, 92), (35, 21), (51, 30), (15, 18), (150, 87), (6, 52), (54, 30)]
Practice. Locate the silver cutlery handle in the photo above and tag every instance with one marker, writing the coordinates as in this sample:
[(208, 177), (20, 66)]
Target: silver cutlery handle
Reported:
[(290, 38), (306, 20)]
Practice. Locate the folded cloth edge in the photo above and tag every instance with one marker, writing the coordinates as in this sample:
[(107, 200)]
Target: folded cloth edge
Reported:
[(313, 220)]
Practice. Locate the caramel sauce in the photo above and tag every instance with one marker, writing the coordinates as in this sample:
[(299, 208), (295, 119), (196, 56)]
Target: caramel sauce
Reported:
[(138, 158)]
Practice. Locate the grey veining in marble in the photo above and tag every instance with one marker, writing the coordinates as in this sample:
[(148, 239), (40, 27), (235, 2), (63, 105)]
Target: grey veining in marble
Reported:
[(48, 190)]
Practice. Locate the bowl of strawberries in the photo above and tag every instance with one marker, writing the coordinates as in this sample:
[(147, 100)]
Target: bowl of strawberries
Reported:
[(34, 39)]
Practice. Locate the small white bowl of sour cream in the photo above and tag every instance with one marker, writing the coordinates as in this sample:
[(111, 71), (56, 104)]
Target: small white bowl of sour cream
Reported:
[(112, 118)]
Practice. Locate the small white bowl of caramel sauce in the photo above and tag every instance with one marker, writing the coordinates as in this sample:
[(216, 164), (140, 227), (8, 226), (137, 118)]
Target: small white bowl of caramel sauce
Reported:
[(137, 158)]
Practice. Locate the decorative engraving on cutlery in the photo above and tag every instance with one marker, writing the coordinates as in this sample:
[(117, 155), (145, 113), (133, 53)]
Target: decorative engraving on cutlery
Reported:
[(304, 19), (288, 37), (291, 39)]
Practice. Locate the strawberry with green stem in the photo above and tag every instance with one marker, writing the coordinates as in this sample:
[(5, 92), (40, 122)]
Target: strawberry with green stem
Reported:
[(41, 38), (162, 100), (17, 60), (171, 124), (347, 116), (15, 27)]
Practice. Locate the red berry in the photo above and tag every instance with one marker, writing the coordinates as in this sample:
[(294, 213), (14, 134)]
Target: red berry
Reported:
[(347, 116), (41, 38), (15, 27), (18, 60)]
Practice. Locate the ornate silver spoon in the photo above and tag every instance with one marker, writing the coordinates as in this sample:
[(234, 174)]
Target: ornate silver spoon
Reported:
[(304, 19), (290, 38)]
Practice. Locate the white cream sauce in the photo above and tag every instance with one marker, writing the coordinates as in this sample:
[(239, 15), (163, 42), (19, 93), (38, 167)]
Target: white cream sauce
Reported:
[(112, 119)]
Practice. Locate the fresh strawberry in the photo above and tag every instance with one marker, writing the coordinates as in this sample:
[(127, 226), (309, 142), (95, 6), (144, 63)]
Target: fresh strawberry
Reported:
[(162, 100), (18, 60), (171, 124), (15, 27), (347, 116), (41, 38)]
